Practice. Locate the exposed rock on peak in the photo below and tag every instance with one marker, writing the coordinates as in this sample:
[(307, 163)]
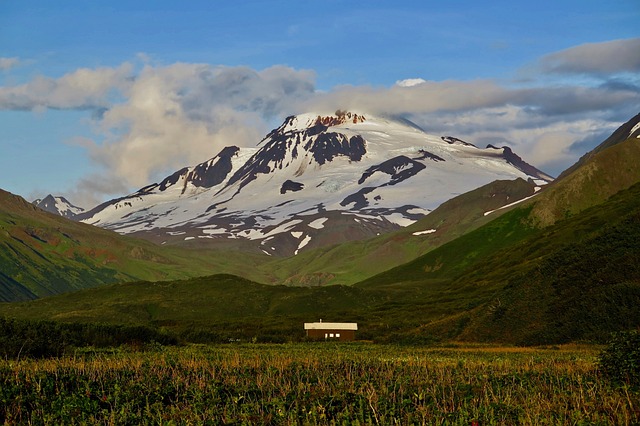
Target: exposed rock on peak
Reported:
[(515, 160), (340, 117), (214, 171), (289, 146), (451, 140), (289, 185)]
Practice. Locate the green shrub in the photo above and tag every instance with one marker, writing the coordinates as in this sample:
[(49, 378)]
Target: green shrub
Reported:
[(41, 339), (620, 360)]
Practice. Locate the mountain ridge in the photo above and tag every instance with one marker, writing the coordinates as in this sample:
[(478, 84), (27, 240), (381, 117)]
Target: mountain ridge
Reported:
[(387, 173), (58, 205)]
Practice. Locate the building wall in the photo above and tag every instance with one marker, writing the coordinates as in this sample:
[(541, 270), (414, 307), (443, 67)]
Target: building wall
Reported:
[(339, 335)]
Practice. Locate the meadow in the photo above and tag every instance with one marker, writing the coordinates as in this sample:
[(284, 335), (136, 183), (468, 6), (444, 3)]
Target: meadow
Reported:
[(316, 383)]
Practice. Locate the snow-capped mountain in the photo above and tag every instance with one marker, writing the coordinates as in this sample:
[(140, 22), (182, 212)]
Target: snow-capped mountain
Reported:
[(58, 205), (315, 180)]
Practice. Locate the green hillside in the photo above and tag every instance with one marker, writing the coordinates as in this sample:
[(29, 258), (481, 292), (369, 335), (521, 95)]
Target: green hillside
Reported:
[(600, 174), (43, 254), (218, 307), (577, 280)]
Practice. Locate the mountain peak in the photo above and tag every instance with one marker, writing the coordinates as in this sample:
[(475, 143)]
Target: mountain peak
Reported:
[(317, 179), (58, 205), (312, 119)]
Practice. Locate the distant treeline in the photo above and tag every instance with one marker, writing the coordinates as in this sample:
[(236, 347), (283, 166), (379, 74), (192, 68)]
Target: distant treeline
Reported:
[(38, 339)]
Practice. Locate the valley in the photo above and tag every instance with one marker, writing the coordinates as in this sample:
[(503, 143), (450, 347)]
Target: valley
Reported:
[(468, 271)]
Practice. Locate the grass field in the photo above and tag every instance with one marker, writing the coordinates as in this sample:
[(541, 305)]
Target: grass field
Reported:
[(356, 383)]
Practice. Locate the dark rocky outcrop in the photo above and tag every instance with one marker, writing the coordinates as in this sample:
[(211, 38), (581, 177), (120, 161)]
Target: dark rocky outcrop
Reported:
[(399, 168), (214, 171), (292, 186)]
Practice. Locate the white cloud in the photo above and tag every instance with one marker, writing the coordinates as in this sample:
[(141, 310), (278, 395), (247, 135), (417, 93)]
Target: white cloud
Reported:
[(161, 118), (8, 63), (409, 82), (90, 190), (460, 96), (428, 96)]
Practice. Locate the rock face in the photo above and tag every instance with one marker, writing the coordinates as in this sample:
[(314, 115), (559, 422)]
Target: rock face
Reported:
[(316, 179)]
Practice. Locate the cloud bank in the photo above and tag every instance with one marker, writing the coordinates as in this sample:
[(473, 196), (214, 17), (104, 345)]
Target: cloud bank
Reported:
[(614, 56), (82, 89), (186, 113), (151, 120)]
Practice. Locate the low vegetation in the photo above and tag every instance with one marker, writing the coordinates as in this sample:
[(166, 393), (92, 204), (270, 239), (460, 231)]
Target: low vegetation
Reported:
[(316, 384), (44, 339), (620, 361), (577, 280)]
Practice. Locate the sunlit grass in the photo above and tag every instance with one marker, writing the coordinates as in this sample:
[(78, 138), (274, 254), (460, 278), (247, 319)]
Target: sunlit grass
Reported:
[(317, 384)]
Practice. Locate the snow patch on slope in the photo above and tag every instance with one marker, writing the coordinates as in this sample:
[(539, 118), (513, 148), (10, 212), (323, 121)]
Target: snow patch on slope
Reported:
[(303, 243), (428, 231), (318, 223), (514, 203)]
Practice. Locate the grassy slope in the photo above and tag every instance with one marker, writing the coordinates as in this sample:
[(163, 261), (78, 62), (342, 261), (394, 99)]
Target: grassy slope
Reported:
[(579, 279), (600, 174), (218, 303), (355, 261), (43, 254)]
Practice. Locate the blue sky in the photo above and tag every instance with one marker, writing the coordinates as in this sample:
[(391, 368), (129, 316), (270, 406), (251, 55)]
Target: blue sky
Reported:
[(99, 98)]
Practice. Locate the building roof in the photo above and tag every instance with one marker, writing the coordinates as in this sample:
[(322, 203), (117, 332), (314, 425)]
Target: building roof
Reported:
[(330, 326)]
